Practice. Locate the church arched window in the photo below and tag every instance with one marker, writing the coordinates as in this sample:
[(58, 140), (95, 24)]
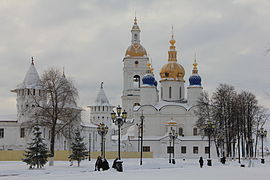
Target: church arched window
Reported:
[(34, 92), (195, 131), (136, 81), (180, 92), (135, 37), (170, 92), (181, 131), (161, 92)]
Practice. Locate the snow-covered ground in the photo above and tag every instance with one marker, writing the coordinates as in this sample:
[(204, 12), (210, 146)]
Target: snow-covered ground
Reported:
[(156, 169)]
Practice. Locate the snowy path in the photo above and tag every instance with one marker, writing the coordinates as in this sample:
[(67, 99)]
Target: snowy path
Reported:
[(157, 169)]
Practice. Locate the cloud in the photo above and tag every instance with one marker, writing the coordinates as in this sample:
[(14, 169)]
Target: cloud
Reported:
[(89, 39)]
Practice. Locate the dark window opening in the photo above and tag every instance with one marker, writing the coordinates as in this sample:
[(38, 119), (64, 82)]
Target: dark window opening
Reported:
[(183, 149), (135, 37), (181, 131), (2, 133), (206, 149), (146, 148), (22, 132), (136, 81), (195, 149), (170, 92), (195, 131)]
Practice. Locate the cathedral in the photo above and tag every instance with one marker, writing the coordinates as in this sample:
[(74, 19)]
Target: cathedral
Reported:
[(165, 110)]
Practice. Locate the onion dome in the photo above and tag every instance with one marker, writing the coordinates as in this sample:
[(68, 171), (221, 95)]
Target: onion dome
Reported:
[(195, 79), (135, 49), (172, 70), (148, 79)]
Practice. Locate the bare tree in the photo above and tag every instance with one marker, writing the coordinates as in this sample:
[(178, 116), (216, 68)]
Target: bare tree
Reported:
[(58, 110), (237, 117)]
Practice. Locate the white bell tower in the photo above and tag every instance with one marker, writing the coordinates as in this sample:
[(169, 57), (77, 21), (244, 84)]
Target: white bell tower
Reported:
[(135, 67)]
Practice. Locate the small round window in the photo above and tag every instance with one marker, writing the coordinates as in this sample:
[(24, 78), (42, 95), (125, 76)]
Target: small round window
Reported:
[(136, 62)]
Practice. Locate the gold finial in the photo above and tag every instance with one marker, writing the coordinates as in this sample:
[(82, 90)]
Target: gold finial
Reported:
[(135, 19), (172, 52), (32, 60), (172, 31), (195, 69), (172, 41)]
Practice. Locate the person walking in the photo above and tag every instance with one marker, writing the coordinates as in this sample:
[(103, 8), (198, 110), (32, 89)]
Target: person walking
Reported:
[(201, 162), (98, 163), (114, 163), (105, 165)]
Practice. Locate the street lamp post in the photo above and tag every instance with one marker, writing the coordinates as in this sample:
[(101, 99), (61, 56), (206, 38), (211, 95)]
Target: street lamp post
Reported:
[(170, 142), (139, 134), (262, 133), (119, 118), (172, 135), (89, 148), (141, 129), (209, 129), (102, 130)]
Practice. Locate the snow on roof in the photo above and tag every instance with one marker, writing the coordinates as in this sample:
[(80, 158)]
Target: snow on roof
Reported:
[(102, 99), (8, 118), (162, 103), (31, 79), (88, 124), (167, 103)]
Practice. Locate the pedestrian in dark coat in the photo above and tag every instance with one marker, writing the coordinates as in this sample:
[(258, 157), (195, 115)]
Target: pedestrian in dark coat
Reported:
[(114, 163), (98, 163), (201, 162), (223, 160), (105, 165)]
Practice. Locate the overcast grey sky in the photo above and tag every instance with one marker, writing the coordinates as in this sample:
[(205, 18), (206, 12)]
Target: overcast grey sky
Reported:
[(89, 38)]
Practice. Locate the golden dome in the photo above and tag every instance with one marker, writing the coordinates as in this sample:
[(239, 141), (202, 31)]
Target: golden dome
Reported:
[(136, 50), (173, 71)]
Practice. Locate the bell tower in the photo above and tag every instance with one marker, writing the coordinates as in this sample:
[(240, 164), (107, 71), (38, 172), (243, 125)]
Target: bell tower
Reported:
[(135, 67)]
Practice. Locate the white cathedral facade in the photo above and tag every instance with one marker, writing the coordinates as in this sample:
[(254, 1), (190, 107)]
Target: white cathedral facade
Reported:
[(164, 109), (169, 108)]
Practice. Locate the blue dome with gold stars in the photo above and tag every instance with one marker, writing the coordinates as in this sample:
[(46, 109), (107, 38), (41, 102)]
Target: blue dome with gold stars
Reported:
[(195, 80), (149, 79)]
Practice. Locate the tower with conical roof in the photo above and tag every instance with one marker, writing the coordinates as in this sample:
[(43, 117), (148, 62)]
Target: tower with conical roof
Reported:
[(194, 89), (135, 67), (172, 74), (29, 94), (100, 111)]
